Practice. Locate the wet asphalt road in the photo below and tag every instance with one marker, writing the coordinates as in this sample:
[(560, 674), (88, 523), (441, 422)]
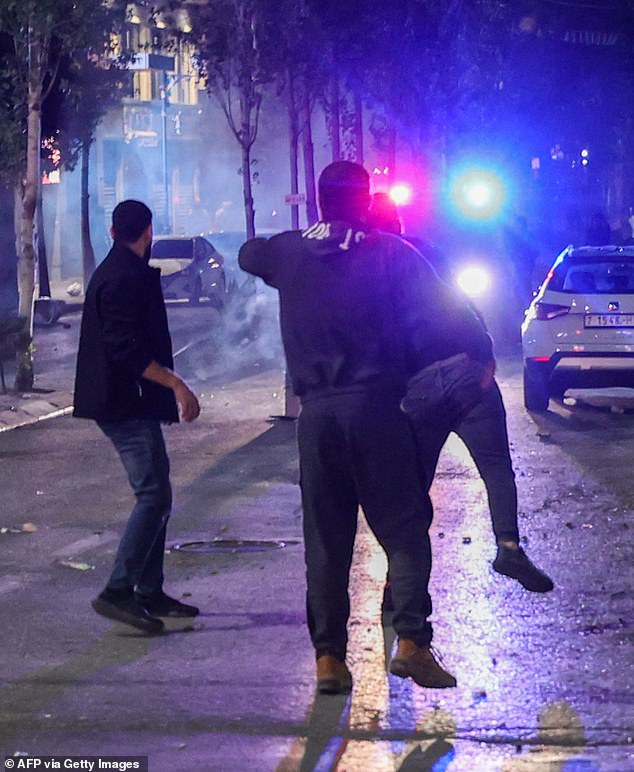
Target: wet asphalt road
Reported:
[(544, 682)]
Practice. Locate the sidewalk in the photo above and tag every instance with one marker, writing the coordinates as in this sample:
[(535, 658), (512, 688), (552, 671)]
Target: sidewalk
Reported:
[(23, 409), (52, 393)]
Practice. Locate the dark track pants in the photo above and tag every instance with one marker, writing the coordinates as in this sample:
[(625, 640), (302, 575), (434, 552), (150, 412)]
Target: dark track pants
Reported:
[(358, 449)]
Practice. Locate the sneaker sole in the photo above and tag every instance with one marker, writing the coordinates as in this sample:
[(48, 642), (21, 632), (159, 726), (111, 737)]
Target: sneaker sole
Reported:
[(333, 686), (172, 613), (110, 611)]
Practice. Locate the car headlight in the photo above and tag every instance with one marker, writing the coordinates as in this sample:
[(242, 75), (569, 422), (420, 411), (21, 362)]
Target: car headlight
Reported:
[(473, 280)]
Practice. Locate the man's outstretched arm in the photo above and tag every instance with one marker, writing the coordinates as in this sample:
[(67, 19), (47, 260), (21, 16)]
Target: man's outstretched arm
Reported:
[(255, 258)]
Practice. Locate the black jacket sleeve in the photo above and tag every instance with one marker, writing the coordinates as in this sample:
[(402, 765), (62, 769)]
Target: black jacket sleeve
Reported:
[(256, 257), (436, 321), (123, 325)]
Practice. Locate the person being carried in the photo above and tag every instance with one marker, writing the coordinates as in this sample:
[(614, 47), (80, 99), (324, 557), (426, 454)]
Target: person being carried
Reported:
[(478, 417), (352, 325), (125, 382)]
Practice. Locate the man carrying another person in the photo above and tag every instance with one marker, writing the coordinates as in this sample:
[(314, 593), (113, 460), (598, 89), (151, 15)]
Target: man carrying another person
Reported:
[(360, 314)]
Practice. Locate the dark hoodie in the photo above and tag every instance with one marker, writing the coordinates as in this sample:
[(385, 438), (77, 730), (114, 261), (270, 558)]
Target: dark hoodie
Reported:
[(360, 309)]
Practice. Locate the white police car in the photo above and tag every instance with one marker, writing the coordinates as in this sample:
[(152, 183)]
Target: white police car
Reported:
[(579, 329)]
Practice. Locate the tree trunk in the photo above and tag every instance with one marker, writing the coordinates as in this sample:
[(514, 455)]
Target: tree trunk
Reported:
[(358, 127), (293, 131), (44, 285), (309, 162), (26, 264), (245, 145), (249, 209), (87, 252), (335, 119)]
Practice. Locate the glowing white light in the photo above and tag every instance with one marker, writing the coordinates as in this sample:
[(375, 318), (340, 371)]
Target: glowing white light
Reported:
[(478, 194), (585, 153), (473, 280), (400, 194)]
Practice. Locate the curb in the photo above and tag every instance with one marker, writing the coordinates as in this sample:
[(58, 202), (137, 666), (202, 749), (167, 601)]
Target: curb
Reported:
[(33, 411)]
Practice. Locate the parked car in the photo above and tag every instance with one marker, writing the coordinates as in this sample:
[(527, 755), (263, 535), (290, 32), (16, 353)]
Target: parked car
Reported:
[(191, 268), (229, 243), (579, 329)]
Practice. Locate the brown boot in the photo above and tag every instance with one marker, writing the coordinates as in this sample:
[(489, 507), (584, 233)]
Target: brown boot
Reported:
[(419, 663), (333, 677)]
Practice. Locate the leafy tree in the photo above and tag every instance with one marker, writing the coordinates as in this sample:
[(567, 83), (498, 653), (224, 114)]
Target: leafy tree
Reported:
[(296, 62), (39, 34), (236, 44), (90, 82), (344, 35)]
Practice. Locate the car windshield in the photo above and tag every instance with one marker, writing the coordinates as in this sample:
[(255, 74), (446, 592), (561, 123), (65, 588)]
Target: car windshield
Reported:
[(172, 248), (594, 275)]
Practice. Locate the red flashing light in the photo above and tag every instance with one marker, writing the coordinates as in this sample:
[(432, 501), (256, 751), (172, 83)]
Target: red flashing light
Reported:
[(400, 194), (539, 359)]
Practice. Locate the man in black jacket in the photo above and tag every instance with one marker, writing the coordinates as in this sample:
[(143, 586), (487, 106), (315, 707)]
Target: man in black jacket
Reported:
[(361, 313), (125, 383)]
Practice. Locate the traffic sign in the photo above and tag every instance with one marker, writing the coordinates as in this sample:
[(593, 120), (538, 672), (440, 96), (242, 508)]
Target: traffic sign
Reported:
[(295, 199)]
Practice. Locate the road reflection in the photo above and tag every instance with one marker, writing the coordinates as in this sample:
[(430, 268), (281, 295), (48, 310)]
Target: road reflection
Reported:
[(493, 721)]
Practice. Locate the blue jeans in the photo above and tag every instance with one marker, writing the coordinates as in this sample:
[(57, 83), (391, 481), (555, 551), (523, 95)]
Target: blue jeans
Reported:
[(139, 561)]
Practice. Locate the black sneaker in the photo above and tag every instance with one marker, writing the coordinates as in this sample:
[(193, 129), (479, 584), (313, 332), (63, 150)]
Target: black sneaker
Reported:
[(516, 564), (128, 610), (161, 605)]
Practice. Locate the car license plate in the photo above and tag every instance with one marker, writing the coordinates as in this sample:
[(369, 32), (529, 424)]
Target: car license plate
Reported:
[(609, 320)]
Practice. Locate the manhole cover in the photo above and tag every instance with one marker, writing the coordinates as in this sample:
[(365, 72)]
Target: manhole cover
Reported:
[(231, 545)]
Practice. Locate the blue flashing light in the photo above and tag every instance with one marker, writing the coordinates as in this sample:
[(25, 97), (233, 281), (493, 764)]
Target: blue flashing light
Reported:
[(477, 195)]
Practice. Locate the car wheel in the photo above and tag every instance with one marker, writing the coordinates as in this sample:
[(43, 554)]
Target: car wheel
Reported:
[(536, 394), (197, 291), (558, 391)]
